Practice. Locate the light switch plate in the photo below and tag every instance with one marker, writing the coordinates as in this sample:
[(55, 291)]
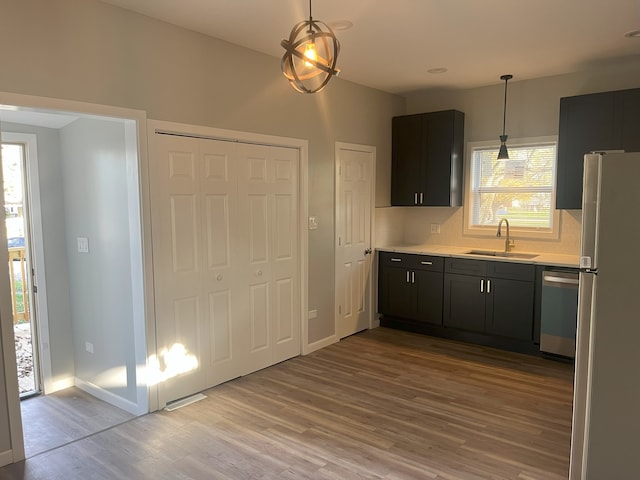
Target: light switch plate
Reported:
[(83, 245), (313, 223), (435, 228)]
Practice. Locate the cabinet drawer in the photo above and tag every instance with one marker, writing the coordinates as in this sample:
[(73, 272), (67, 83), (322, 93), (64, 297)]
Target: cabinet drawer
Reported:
[(412, 261), (511, 271), (465, 266)]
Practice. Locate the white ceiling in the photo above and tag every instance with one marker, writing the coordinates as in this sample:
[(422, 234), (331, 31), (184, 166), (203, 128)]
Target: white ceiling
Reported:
[(393, 43)]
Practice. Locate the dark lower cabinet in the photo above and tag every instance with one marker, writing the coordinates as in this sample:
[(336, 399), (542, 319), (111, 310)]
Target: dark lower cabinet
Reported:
[(464, 302), (496, 298), (410, 286), (509, 309), (485, 302)]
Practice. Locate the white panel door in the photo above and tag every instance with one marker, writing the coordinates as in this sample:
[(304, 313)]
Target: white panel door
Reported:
[(268, 206), (223, 291), (182, 332), (194, 195), (225, 238), (354, 176)]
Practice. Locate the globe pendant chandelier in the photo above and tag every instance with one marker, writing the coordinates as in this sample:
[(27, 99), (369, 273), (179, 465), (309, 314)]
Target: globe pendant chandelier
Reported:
[(311, 53)]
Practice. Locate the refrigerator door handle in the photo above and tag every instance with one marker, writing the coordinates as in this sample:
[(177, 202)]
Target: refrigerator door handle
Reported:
[(590, 211)]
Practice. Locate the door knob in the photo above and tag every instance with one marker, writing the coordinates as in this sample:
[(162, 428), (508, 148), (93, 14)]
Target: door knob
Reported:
[(368, 251)]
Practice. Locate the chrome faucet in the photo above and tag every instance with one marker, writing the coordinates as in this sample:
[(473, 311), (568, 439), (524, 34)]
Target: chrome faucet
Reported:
[(508, 243)]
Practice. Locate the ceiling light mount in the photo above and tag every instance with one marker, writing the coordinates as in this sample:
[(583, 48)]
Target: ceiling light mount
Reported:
[(310, 55), (503, 154)]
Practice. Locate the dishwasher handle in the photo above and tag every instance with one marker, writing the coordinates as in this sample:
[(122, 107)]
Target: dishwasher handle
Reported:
[(550, 278)]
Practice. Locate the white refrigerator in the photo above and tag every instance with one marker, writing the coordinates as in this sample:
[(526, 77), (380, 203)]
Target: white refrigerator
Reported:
[(605, 441)]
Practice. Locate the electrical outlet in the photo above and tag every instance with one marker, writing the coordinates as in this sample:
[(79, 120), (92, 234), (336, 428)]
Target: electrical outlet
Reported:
[(435, 228), (313, 223), (313, 313), (88, 347)]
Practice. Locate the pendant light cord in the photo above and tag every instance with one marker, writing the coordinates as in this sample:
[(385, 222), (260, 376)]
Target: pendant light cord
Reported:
[(504, 111)]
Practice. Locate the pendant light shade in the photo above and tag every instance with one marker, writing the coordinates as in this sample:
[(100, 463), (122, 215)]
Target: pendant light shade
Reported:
[(503, 154), (311, 52)]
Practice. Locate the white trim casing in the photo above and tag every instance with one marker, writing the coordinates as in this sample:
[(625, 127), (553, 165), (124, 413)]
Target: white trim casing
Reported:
[(145, 335), (490, 231)]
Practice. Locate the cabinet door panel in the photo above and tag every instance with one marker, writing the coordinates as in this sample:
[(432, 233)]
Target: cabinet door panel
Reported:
[(628, 106), (464, 302), (406, 159), (509, 310), (587, 123), (430, 290), (398, 295)]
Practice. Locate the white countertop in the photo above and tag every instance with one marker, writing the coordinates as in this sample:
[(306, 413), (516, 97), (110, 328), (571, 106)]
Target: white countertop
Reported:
[(557, 260)]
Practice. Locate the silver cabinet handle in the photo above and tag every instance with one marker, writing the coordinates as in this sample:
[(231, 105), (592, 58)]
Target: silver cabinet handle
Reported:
[(415, 198), (488, 286), (421, 198), (426, 263), (413, 277), (482, 286), (396, 259), (407, 276)]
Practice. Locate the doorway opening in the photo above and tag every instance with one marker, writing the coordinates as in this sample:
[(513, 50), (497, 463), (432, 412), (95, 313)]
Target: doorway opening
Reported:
[(16, 212)]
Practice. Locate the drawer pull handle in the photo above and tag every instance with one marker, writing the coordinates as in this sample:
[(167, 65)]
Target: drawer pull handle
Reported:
[(396, 259), (426, 263)]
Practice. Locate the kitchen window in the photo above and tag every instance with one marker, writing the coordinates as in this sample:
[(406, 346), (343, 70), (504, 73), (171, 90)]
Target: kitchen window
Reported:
[(520, 189)]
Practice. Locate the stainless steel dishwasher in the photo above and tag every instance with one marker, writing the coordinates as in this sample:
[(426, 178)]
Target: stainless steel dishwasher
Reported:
[(559, 312)]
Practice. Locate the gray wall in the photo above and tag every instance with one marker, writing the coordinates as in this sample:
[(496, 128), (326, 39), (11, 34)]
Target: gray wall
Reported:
[(55, 253), (96, 207), (88, 51), (533, 110), (533, 105)]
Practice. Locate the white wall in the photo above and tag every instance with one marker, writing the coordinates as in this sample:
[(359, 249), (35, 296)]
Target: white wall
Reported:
[(55, 253), (96, 202), (533, 111)]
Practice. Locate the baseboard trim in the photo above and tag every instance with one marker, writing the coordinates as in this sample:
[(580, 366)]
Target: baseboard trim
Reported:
[(325, 342), (111, 398), (58, 385), (6, 458)]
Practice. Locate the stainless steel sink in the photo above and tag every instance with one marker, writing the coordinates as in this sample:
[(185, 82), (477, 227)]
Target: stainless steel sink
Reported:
[(493, 253)]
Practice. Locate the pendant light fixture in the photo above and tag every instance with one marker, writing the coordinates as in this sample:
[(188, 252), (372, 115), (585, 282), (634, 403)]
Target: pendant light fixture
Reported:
[(310, 58), (503, 154)]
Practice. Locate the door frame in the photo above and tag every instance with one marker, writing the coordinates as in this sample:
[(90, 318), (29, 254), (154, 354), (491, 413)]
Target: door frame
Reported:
[(142, 278), (302, 146), (39, 309), (339, 146)]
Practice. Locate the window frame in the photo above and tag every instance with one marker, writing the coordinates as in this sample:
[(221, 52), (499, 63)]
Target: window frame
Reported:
[(522, 232)]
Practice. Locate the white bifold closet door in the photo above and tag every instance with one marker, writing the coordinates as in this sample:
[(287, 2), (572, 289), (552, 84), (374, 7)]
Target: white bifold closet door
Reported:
[(226, 260)]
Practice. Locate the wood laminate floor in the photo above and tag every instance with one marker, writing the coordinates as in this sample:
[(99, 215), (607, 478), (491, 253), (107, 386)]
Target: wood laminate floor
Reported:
[(54, 420), (382, 404)]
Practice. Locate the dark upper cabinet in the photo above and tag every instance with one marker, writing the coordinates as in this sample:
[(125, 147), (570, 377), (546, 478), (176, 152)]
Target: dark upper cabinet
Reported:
[(598, 121), (427, 151), (628, 104)]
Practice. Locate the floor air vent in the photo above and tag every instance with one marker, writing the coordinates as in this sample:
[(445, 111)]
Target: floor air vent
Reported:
[(183, 402)]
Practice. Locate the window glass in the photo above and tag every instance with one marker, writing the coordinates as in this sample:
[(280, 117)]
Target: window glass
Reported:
[(520, 189)]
